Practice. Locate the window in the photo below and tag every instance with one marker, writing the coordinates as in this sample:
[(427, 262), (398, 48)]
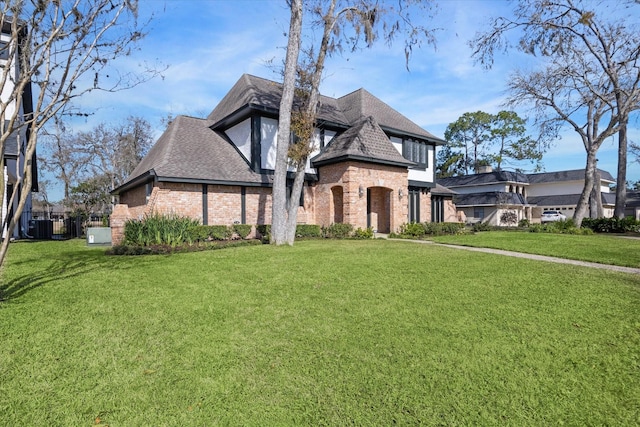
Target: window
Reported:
[(437, 208), (478, 212), (289, 188), (414, 205), (416, 151), (4, 50), (148, 190)]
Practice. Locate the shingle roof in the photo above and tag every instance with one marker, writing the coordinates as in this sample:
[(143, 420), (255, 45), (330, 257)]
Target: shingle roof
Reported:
[(567, 200), (266, 95), (362, 103), (488, 199), (561, 176), (363, 141), (345, 111), (485, 178), (633, 199), (190, 150), (440, 190)]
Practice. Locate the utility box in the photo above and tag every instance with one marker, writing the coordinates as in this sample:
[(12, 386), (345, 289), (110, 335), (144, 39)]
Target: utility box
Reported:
[(98, 236)]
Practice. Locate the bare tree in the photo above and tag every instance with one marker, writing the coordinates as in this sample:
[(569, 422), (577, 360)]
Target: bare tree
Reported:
[(63, 49), (584, 41), (60, 157), (344, 25), (560, 96)]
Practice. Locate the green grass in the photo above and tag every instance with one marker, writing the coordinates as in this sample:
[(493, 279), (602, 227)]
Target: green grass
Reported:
[(324, 333), (594, 248)]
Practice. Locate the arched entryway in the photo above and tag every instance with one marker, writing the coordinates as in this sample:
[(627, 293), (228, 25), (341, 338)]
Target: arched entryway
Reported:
[(337, 204), (379, 209)]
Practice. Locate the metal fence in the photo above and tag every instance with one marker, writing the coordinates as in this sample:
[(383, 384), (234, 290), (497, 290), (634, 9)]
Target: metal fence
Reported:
[(61, 225)]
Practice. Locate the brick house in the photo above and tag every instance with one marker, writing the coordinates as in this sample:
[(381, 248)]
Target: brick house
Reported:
[(372, 166)]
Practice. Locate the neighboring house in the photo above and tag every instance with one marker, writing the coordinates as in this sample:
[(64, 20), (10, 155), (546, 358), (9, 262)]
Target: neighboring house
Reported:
[(484, 197), (632, 207), (372, 166), (15, 145)]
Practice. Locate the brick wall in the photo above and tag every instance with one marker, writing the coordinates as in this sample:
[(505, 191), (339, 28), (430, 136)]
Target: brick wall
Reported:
[(134, 197), (388, 210)]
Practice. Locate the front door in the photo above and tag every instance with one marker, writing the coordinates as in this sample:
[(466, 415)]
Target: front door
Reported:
[(379, 209)]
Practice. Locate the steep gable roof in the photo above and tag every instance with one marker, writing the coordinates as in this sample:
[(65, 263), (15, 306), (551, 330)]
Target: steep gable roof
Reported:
[(190, 151), (262, 94), (364, 141), (362, 103)]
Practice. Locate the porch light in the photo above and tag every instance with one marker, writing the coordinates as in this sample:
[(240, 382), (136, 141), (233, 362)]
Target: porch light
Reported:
[(400, 193), (361, 191)]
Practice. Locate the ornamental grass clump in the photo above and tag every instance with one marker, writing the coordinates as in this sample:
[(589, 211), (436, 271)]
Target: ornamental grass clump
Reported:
[(156, 229)]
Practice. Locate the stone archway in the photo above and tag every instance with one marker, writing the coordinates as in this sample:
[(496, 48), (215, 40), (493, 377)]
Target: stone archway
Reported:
[(379, 209)]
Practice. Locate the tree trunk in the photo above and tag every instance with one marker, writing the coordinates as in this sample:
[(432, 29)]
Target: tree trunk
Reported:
[(296, 191), (310, 113), (25, 182), (279, 193), (621, 180), (583, 202)]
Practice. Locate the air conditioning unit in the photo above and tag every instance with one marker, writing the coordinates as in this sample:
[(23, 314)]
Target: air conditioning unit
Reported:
[(98, 236)]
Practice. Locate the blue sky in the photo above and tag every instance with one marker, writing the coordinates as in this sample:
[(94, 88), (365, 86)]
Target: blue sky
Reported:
[(209, 44)]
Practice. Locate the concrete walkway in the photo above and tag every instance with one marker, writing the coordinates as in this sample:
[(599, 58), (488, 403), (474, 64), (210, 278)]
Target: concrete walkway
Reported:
[(545, 258)]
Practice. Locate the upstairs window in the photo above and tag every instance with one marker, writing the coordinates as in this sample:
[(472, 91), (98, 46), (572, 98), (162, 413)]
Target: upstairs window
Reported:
[(4, 51), (416, 151)]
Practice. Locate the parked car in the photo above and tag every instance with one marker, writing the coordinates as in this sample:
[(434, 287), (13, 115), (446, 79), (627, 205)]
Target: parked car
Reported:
[(550, 216)]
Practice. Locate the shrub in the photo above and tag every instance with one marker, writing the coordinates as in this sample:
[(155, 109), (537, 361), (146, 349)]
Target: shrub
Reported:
[(480, 226), (264, 231), (413, 229), (524, 223), (366, 233), (612, 225), (509, 217), (337, 231), (166, 249), (308, 230), (242, 230), (212, 232), (158, 229), (452, 227)]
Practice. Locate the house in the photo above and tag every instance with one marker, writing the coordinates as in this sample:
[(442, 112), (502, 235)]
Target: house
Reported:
[(372, 166), (485, 196), (15, 145), (632, 207)]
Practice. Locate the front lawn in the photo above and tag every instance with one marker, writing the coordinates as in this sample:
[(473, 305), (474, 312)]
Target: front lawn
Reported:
[(324, 333), (605, 249)]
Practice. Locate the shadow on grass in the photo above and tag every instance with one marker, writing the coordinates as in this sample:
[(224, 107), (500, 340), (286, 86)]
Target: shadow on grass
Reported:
[(63, 266)]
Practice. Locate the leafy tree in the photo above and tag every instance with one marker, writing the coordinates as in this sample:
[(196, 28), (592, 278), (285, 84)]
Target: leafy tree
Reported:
[(344, 25), (508, 131), (449, 163), (91, 196), (471, 132), (589, 68), (62, 49)]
